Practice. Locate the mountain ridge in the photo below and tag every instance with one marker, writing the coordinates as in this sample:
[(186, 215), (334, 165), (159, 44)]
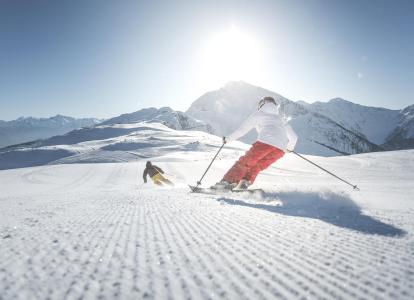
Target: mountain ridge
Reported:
[(165, 115), (328, 128), (25, 129), (319, 134)]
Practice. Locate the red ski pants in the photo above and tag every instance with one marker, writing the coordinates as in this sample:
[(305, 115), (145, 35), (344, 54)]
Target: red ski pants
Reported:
[(256, 159)]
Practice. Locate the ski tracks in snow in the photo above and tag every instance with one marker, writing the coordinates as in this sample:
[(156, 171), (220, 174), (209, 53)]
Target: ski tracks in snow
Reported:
[(102, 237)]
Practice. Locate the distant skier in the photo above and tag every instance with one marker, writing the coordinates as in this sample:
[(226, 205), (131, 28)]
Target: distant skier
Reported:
[(155, 173), (275, 137)]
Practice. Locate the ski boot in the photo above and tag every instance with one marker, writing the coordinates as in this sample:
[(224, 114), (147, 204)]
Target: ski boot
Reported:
[(223, 185), (243, 185)]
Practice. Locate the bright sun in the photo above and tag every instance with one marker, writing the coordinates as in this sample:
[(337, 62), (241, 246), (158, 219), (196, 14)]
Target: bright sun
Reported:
[(231, 55)]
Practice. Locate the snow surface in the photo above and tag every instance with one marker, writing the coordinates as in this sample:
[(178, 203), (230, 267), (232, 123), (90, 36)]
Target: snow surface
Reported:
[(88, 231)]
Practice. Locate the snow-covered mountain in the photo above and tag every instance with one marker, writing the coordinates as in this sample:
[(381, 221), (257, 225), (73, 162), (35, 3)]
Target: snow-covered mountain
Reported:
[(327, 129), (146, 133), (319, 134), (372, 122), (391, 129), (402, 137), (29, 129), (165, 115)]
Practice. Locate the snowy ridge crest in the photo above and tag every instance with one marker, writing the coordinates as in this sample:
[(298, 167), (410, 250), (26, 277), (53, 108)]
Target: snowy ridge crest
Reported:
[(165, 115)]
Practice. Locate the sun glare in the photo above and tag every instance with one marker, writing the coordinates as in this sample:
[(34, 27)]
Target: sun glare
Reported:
[(231, 55)]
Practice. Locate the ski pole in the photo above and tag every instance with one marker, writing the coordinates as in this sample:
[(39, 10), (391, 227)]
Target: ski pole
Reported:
[(354, 186), (214, 158)]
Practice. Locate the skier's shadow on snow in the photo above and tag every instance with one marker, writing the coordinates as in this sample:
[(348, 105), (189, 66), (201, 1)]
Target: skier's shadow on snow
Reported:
[(337, 209)]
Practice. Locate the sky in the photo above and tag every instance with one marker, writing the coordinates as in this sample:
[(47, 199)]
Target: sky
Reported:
[(101, 58)]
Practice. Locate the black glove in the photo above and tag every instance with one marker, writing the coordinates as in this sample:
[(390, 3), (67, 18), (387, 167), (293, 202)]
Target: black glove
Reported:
[(224, 140)]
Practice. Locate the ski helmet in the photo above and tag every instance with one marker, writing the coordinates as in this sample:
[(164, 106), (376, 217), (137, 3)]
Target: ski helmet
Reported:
[(265, 100)]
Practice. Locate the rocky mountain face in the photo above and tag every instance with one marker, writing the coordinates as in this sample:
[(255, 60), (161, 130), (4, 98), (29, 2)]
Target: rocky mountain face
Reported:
[(333, 128), (28, 129)]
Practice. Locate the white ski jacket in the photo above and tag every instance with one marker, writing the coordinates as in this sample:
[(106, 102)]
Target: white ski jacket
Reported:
[(270, 127)]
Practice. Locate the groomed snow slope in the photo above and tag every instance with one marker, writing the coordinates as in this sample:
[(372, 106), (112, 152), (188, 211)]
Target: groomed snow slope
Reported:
[(94, 231)]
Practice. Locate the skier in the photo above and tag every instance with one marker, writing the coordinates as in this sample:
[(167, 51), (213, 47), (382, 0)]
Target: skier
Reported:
[(275, 137), (155, 173)]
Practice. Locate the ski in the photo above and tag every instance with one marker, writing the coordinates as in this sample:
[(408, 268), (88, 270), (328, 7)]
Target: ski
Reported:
[(209, 191)]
